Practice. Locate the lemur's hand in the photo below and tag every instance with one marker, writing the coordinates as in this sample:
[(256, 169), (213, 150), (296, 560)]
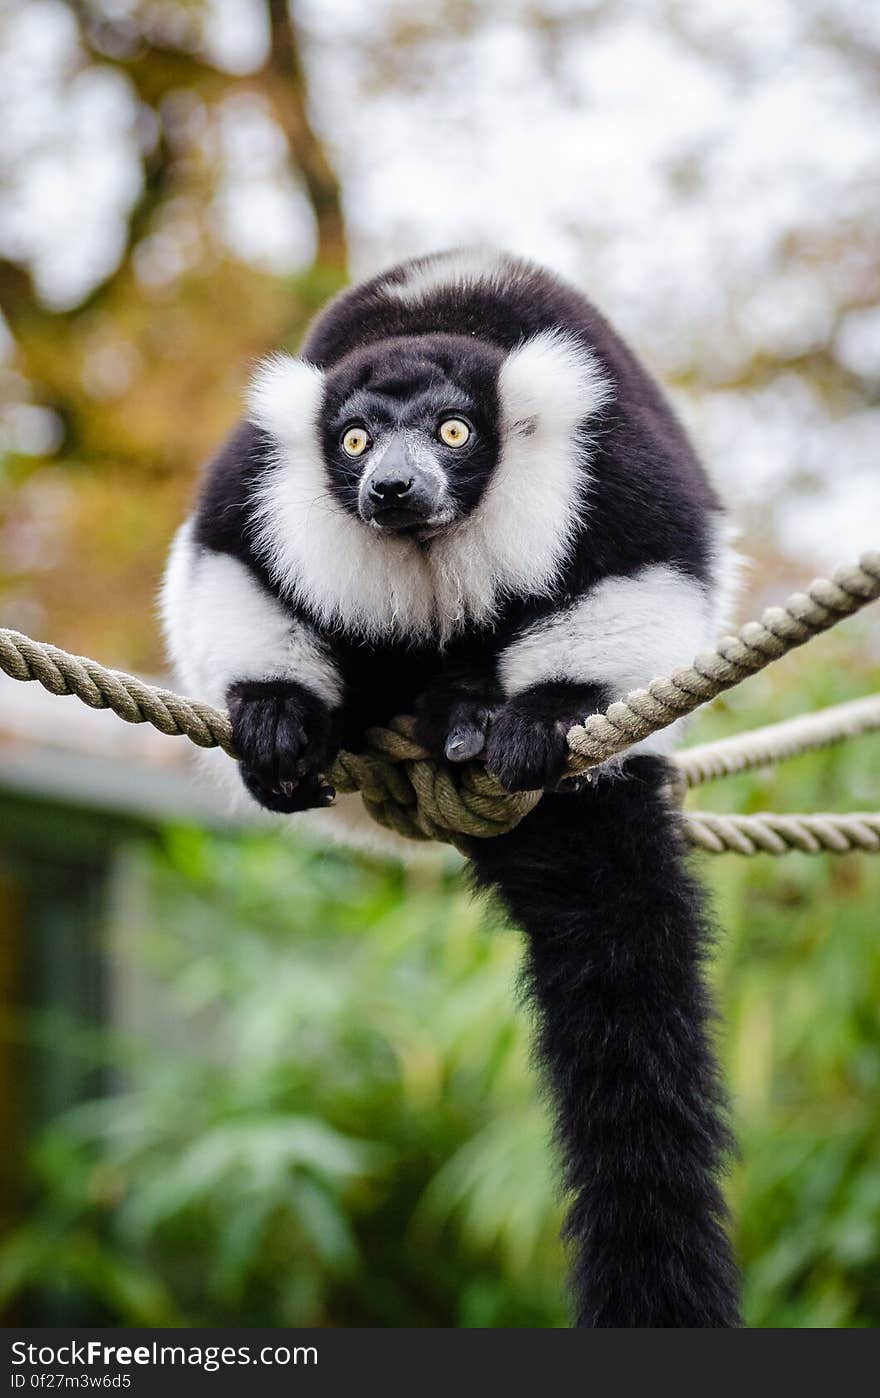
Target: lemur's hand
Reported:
[(285, 738), (453, 717), (526, 750), (527, 747)]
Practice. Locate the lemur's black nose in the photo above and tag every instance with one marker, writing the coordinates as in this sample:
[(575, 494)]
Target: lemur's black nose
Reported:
[(391, 487), (400, 492)]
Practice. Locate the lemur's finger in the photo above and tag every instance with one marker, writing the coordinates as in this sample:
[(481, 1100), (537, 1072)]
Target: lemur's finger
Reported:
[(291, 744), (465, 742), (259, 730)]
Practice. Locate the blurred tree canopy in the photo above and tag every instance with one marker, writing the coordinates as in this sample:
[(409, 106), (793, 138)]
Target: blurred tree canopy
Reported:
[(143, 376)]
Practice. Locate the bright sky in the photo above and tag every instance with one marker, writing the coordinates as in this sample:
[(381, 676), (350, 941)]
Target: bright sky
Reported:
[(712, 183)]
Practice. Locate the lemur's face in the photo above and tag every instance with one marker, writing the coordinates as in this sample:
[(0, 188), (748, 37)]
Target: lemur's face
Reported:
[(410, 432)]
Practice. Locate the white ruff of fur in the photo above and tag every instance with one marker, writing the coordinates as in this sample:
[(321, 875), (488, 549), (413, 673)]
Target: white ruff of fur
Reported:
[(514, 543)]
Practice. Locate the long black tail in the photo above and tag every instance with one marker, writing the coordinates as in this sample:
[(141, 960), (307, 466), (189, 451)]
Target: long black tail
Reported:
[(617, 932)]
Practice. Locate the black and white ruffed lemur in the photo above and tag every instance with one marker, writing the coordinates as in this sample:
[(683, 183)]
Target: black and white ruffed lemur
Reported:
[(468, 500)]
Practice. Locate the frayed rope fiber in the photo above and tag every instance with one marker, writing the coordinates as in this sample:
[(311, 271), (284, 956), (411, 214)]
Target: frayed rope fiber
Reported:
[(407, 790)]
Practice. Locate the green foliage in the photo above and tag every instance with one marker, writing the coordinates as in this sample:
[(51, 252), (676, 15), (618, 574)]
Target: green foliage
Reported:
[(799, 973), (298, 1137), (327, 1113)]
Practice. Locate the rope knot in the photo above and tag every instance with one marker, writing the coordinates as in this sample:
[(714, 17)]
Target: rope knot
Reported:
[(409, 791)]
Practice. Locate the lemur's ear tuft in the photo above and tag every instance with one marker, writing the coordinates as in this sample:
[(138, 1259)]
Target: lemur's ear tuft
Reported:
[(551, 382), (284, 397)]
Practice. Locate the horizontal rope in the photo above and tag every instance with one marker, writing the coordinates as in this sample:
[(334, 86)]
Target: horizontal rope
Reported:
[(130, 699), (403, 786), (761, 746), (768, 833)]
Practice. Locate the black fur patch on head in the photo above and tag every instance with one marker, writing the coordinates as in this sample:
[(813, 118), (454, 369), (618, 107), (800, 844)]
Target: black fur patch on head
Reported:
[(410, 384)]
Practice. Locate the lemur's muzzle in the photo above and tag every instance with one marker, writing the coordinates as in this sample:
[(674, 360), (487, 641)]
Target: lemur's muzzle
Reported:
[(401, 491)]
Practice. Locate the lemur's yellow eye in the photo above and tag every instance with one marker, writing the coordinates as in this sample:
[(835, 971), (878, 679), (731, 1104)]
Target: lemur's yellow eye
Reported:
[(355, 441), (454, 432)]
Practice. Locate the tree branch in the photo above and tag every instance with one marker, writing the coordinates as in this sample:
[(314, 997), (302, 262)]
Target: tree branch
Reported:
[(288, 91)]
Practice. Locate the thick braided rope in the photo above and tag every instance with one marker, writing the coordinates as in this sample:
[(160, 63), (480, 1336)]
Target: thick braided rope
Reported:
[(755, 645), (129, 698), (402, 786), (761, 746), (405, 789), (768, 833)]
